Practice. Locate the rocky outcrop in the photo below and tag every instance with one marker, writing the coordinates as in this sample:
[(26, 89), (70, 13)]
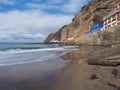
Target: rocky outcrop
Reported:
[(55, 36), (89, 14), (50, 37)]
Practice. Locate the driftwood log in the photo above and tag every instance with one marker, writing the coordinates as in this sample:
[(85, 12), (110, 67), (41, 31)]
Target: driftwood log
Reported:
[(104, 62)]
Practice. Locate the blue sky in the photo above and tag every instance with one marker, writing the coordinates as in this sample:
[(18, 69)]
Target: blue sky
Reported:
[(33, 20)]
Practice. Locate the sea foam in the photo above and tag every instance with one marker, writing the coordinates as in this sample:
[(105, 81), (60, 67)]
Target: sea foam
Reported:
[(21, 56)]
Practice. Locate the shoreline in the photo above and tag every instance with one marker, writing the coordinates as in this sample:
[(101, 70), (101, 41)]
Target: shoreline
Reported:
[(68, 72), (79, 75), (31, 76)]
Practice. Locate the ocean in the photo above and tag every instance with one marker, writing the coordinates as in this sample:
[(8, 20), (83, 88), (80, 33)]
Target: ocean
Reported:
[(20, 53)]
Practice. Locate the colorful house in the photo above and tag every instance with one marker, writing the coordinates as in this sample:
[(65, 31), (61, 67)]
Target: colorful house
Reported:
[(95, 28), (110, 20), (113, 18)]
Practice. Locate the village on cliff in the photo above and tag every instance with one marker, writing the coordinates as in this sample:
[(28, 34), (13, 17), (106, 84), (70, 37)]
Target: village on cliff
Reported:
[(109, 21)]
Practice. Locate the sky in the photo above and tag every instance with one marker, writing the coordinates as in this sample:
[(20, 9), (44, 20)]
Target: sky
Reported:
[(33, 20)]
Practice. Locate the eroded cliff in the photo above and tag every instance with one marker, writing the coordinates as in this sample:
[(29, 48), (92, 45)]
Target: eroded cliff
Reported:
[(91, 13)]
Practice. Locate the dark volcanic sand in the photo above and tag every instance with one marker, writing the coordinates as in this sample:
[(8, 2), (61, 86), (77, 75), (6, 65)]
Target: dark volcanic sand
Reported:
[(78, 75), (30, 76)]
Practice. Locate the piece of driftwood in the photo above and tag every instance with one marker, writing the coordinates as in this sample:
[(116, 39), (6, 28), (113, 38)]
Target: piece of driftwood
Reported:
[(104, 62), (113, 85)]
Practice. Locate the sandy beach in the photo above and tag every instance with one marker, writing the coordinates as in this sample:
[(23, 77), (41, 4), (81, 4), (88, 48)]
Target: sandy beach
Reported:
[(68, 72), (59, 44), (31, 76), (78, 75)]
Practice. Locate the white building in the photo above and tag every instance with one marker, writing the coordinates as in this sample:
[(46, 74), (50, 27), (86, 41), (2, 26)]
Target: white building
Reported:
[(113, 18)]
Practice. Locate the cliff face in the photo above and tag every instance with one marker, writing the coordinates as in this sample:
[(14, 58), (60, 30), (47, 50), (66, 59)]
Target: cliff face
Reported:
[(89, 14), (55, 36)]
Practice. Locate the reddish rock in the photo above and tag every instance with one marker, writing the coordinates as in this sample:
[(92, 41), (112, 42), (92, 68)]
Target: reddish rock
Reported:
[(89, 14)]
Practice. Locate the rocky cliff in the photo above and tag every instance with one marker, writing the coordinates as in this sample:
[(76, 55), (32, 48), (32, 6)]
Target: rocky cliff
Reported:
[(55, 36), (91, 13)]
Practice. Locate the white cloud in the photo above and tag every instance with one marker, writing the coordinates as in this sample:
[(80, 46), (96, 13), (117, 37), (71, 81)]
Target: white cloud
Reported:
[(38, 35), (42, 6), (11, 2), (50, 1), (56, 1), (32, 24), (68, 6), (73, 5)]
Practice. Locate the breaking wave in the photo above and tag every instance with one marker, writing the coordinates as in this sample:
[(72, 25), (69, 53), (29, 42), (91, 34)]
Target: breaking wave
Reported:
[(20, 56)]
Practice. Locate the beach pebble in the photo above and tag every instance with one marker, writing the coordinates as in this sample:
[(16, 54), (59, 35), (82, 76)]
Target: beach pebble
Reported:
[(93, 76), (115, 72), (118, 88)]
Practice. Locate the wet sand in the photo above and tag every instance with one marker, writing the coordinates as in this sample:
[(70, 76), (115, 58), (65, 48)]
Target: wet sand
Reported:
[(31, 76), (58, 74), (78, 75)]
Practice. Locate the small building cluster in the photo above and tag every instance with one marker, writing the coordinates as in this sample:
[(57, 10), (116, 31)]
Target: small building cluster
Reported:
[(95, 28), (110, 20)]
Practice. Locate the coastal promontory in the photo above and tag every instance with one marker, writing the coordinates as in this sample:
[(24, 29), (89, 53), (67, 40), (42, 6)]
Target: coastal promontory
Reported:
[(90, 14)]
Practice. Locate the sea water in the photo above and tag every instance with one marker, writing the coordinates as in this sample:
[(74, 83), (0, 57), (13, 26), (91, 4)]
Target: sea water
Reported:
[(20, 53)]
